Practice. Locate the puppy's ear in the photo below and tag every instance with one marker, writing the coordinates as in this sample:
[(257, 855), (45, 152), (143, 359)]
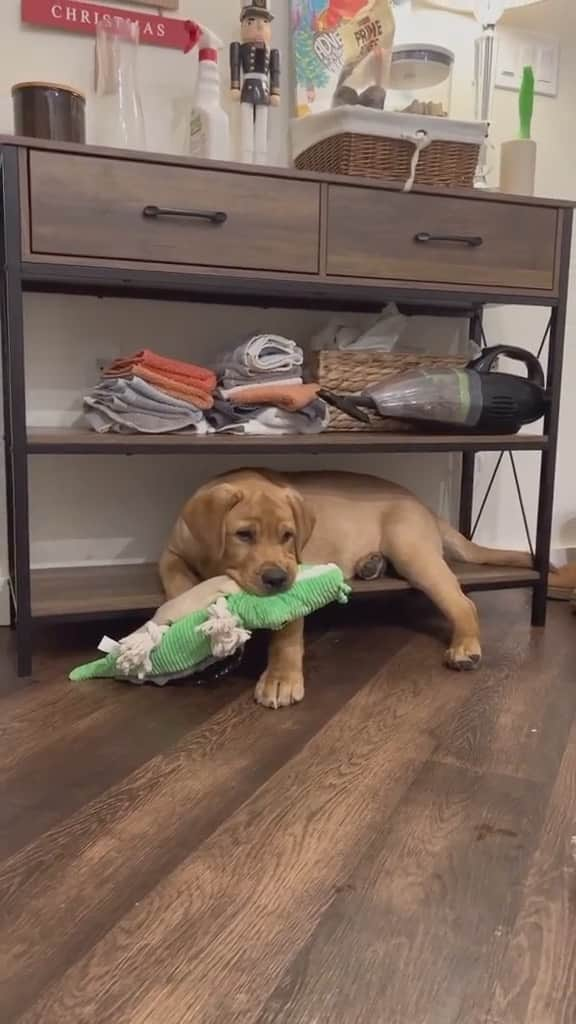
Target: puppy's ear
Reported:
[(304, 521), (205, 516)]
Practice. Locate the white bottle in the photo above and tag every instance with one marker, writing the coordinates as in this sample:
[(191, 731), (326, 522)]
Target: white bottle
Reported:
[(209, 126)]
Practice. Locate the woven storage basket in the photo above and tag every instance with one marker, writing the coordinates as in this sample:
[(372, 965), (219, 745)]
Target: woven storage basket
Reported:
[(354, 371), (380, 144), (367, 156)]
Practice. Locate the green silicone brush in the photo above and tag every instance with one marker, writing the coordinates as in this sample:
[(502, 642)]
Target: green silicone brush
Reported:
[(526, 103)]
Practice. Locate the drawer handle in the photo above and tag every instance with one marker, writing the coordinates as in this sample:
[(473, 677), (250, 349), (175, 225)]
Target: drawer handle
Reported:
[(212, 216), (474, 241)]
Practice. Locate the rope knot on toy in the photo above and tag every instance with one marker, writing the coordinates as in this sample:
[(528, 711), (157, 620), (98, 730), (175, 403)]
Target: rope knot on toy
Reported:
[(134, 651), (224, 630)]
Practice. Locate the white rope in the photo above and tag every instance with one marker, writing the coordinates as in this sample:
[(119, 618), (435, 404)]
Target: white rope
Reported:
[(134, 651), (224, 630), (420, 140)]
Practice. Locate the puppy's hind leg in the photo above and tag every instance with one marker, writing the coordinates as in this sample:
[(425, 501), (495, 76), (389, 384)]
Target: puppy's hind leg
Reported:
[(416, 553)]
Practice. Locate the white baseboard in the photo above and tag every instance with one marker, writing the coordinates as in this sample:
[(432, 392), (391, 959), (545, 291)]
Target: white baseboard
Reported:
[(562, 556)]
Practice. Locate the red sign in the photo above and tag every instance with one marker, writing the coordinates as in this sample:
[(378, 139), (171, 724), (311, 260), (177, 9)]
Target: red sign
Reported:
[(74, 16)]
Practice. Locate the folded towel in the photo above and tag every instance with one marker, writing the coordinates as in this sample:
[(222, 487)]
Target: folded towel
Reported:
[(224, 414), (292, 398), (264, 353), (198, 396), (231, 379), (132, 405), (133, 392), (173, 368), (104, 420), (312, 419), (229, 385)]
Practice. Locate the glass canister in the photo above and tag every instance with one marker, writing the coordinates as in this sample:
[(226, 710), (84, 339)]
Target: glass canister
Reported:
[(118, 114), (421, 79)]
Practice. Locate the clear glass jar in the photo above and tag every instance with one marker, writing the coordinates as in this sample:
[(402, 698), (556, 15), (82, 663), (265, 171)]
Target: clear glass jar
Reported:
[(421, 79), (118, 114)]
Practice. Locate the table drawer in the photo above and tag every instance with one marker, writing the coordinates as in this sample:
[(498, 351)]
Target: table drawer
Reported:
[(90, 206), (471, 242)]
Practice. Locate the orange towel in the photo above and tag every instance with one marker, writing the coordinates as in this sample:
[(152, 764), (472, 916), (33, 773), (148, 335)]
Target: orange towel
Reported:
[(172, 368), (187, 390), (291, 397)]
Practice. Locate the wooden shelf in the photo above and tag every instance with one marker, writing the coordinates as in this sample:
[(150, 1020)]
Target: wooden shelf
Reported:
[(117, 590), (66, 441)]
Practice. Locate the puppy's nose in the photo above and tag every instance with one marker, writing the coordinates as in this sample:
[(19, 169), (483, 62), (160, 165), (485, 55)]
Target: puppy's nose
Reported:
[(274, 578)]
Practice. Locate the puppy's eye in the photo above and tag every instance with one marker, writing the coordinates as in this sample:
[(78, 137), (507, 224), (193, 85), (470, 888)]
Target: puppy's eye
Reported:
[(287, 536), (246, 536)]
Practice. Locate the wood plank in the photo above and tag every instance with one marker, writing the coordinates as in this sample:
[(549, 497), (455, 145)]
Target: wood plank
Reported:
[(474, 195), (68, 440), (228, 918), (537, 980), (418, 929), (94, 590), (516, 246), (267, 288), (134, 725), (93, 206), (136, 832), (517, 719)]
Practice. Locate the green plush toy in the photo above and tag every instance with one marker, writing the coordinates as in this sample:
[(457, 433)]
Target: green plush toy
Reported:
[(210, 622)]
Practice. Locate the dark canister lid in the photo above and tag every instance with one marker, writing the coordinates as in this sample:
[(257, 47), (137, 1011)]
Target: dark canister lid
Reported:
[(20, 86)]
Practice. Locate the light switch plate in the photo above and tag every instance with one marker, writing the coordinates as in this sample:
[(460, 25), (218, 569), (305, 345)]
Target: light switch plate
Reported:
[(516, 50)]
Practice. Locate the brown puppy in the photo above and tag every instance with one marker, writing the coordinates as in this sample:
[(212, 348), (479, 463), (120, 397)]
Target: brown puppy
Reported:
[(257, 526)]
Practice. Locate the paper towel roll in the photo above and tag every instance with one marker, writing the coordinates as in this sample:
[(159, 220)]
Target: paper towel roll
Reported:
[(518, 167)]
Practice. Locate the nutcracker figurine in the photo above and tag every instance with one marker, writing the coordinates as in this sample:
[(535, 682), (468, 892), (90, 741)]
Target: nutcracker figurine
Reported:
[(255, 78)]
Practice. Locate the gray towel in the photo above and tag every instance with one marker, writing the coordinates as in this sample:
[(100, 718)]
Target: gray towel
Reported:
[(224, 414), (312, 419), (122, 393), (105, 420), (128, 406), (263, 354)]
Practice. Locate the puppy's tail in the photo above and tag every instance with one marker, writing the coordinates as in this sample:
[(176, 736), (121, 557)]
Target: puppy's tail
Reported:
[(462, 550)]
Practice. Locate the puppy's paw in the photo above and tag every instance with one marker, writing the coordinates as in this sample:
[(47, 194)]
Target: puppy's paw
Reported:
[(274, 690), (464, 656)]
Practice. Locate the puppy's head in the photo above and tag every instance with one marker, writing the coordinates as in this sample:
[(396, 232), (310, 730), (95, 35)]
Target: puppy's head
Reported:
[(253, 534)]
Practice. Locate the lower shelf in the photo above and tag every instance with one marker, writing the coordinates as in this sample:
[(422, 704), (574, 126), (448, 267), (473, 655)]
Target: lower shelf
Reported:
[(117, 590)]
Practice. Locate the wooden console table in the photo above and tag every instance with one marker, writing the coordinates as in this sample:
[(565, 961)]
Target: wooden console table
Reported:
[(107, 222)]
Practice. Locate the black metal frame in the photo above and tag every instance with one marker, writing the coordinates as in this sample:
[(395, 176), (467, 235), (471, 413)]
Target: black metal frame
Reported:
[(14, 394), (18, 277)]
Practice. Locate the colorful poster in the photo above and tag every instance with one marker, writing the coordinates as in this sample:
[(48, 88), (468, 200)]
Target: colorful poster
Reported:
[(333, 38)]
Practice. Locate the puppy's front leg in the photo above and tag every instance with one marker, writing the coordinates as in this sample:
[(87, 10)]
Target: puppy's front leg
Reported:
[(282, 683)]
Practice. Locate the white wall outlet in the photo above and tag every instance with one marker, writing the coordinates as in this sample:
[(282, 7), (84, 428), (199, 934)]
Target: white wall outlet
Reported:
[(102, 362), (516, 50)]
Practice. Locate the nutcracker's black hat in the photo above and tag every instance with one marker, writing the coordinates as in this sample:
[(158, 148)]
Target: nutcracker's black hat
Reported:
[(256, 9)]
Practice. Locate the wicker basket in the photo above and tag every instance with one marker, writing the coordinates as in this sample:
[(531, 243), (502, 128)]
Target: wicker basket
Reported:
[(354, 371), (381, 144), (368, 156)]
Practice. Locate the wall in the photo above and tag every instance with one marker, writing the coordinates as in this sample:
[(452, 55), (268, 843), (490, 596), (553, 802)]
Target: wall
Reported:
[(102, 509)]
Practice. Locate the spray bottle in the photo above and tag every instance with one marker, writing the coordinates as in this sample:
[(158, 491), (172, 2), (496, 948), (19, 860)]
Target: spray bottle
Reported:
[(209, 127)]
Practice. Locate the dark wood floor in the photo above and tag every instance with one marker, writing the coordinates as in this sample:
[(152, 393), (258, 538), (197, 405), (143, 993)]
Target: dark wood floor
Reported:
[(396, 850)]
